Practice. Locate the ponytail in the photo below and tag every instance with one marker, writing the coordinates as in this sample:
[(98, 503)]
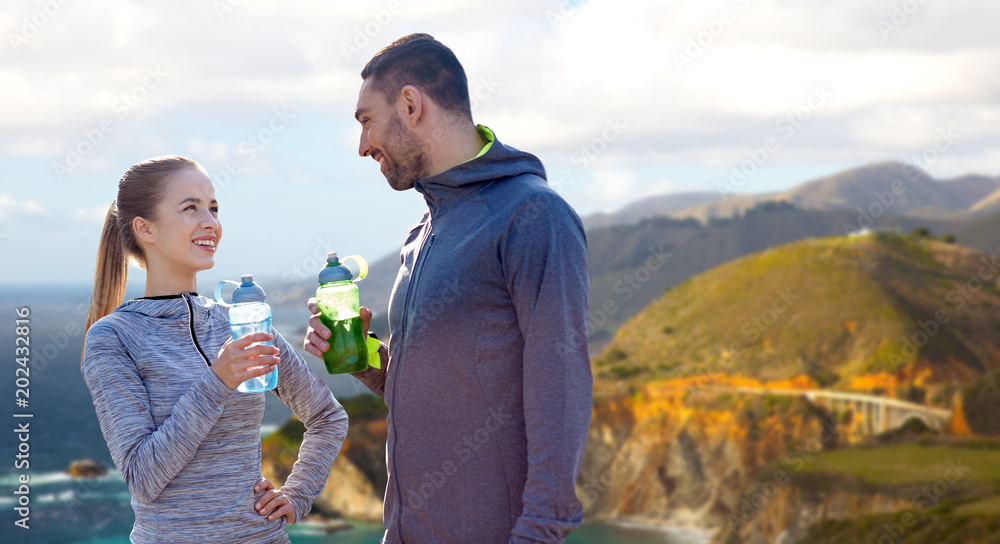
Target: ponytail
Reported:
[(111, 272)]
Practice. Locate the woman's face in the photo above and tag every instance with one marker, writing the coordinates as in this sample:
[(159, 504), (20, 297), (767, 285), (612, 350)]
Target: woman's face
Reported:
[(184, 237)]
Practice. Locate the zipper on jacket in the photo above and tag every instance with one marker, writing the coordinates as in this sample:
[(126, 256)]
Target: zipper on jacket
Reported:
[(194, 337), (410, 287)]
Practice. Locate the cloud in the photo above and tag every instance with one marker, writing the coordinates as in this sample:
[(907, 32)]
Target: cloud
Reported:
[(11, 207), (91, 215)]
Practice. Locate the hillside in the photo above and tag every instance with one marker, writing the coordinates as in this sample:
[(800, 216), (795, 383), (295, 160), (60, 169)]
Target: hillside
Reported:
[(860, 495), (657, 206), (982, 233), (919, 193), (617, 254), (832, 309), (987, 205)]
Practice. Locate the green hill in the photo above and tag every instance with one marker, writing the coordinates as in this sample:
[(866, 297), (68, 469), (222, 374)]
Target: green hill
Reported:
[(617, 254), (832, 308)]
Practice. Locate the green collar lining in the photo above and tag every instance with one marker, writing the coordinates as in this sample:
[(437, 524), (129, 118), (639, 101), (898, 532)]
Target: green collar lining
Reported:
[(487, 135)]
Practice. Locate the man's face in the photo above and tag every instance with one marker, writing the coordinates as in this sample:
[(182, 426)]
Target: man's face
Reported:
[(384, 138)]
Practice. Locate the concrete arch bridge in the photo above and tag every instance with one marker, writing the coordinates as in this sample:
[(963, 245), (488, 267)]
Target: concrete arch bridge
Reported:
[(870, 414)]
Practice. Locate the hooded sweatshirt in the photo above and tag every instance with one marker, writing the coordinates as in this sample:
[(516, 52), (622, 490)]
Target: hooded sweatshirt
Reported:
[(188, 446), (488, 381)]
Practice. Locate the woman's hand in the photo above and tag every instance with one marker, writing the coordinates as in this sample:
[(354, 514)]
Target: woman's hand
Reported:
[(273, 503), (237, 363)]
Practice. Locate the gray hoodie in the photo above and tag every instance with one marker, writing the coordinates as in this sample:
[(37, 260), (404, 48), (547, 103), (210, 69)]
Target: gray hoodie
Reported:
[(488, 382), (188, 446)]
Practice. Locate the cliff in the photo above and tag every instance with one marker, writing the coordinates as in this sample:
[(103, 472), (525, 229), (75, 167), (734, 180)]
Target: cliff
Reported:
[(933, 490), (762, 469), (682, 457), (356, 485)]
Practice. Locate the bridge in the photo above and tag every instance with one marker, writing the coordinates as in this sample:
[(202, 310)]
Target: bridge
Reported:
[(870, 414)]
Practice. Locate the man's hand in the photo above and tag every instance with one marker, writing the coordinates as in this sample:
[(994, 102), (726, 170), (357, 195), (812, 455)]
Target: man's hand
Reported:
[(317, 334)]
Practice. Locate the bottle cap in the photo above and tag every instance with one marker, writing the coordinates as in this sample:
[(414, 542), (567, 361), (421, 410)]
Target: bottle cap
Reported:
[(334, 271), (248, 291)]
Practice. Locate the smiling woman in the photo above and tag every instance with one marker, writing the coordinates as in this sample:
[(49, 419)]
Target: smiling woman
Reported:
[(139, 192), (181, 239), (162, 370)]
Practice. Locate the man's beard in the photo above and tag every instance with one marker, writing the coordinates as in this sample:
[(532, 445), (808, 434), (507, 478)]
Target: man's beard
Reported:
[(408, 160)]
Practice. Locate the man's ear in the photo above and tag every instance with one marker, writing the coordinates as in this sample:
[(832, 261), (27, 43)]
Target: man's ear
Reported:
[(144, 230), (411, 105)]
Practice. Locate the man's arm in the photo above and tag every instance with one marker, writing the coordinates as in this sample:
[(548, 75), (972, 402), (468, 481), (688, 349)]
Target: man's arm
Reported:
[(544, 258)]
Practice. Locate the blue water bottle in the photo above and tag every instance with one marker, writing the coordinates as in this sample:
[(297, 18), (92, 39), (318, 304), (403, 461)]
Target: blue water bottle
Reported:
[(249, 314)]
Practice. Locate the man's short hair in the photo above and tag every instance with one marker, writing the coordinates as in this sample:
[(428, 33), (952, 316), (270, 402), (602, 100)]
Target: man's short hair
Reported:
[(425, 63)]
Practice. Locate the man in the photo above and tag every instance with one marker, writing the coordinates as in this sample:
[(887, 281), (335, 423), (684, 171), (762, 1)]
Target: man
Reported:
[(487, 377)]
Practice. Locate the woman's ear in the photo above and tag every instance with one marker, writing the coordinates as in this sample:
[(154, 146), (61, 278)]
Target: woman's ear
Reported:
[(144, 230)]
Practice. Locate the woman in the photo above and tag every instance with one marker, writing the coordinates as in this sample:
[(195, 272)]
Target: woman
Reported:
[(162, 370)]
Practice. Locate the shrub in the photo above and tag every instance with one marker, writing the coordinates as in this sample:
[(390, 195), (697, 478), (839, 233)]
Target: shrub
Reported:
[(980, 401), (614, 355)]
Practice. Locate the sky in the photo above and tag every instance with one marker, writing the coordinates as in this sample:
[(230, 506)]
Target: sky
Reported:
[(620, 99)]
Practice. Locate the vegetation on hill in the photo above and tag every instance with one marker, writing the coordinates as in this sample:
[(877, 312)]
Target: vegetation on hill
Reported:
[(938, 490), (952, 493), (831, 308), (624, 280), (980, 401)]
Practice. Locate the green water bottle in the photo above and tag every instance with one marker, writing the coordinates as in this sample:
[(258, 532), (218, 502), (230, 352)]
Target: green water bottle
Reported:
[(340, 311)]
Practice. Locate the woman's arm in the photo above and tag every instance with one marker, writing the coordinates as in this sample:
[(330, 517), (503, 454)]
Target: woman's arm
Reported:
[(147, 457), (326, 427)]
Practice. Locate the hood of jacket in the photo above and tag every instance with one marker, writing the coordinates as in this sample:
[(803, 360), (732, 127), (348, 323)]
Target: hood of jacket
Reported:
[(166, 307), (186, 313), (500, 161)]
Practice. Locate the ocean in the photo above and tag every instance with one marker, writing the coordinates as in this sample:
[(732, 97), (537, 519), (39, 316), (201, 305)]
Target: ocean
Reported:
[(63, 428)]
